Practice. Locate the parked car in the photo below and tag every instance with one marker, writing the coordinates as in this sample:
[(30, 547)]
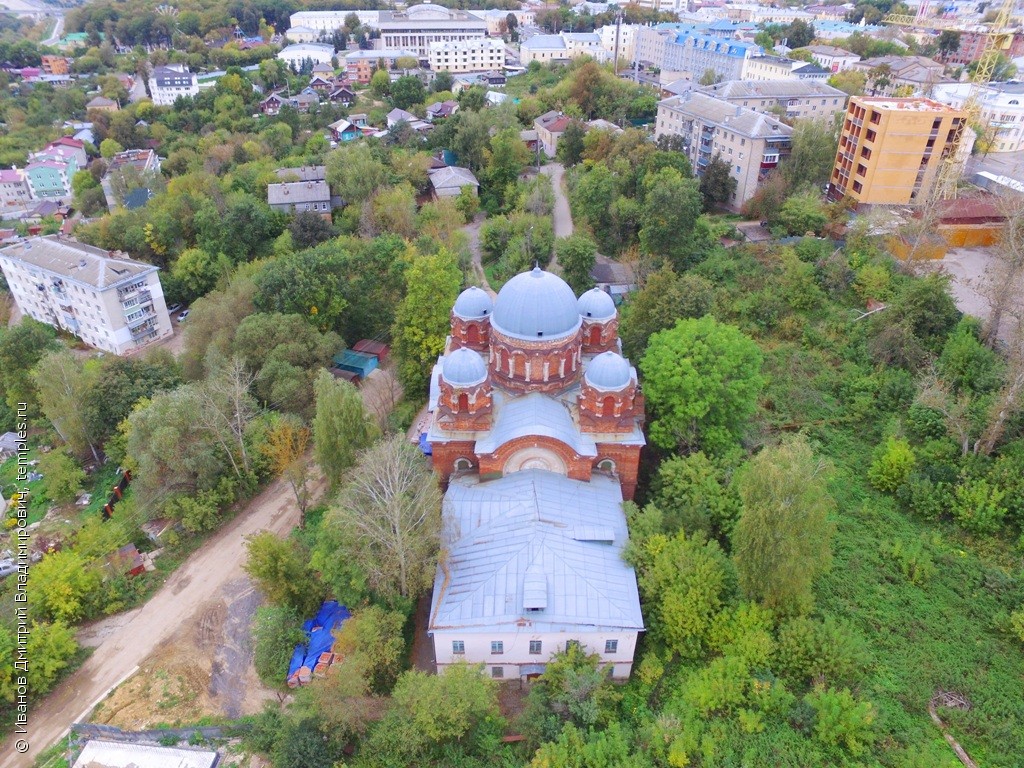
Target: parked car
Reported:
[(173, 308), (183, 315)]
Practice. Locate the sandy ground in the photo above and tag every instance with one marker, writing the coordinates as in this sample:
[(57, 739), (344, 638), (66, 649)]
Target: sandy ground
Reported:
[(206, 603), (968, 268)]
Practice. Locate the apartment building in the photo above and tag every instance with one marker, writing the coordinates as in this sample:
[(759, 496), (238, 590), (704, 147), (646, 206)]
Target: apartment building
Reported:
[(832, 58), (792, 99), (167, 84), (689, 56), (780, 68), (627, 36), (420, 25), (1002, 111), (918, 73), (109, 301), (890, 149), (15, 191), (326, 22), (751, 142), (359, 65), (651, 41), (477, 55), (972, 44)]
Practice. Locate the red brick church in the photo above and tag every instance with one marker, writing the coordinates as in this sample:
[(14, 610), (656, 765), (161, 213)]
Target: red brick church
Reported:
[(536, 432)]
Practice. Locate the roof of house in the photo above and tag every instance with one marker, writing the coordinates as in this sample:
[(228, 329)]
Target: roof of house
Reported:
[(544, 42), (137, 198), (109, 754), (100, 101), (172, 75), (342, 126), (308, 48), (305, 173), (77, 261), (553, 121), (298, 192), (323, 67), (771, 89), (535, 549), (136, 158), (828, 50), (443, 108), (400, 114), (12, 176), (810, 69), (66, 141), (9, 441), (725, 113), (452, 177)]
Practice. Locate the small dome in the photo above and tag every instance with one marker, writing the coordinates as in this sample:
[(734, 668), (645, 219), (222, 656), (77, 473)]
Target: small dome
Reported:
[(463, 367), (609, 371), (473, 303), (536, 305), (595, 304)]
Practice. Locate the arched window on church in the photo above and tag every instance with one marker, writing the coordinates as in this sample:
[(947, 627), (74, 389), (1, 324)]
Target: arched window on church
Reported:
[(473, 334), (503, 365), (608, 407), (462, 464), (606, 465), (463, 403), (595, 336)]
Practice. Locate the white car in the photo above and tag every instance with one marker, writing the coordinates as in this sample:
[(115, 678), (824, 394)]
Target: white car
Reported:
[(183, 315)]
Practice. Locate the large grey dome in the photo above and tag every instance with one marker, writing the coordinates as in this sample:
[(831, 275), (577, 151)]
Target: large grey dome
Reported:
[(596, 304), (473, 304), (609, 371), (536, 305), (463, 367)]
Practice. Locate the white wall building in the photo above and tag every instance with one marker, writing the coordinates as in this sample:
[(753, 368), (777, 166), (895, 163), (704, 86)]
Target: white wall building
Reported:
[(328, 21), (296, 54), (476, 55), (627, 40), (167, 84), (1001, 110), (109, 301), (832, 58), (15, 191), (420, 25)]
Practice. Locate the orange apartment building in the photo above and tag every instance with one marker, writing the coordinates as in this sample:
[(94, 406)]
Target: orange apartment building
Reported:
[(890, 149)]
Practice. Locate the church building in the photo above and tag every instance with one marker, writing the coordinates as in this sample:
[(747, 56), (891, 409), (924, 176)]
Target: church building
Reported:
[(536, 432)]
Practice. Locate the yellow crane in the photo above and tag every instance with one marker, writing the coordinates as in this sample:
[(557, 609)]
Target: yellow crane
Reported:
[(998, 37)]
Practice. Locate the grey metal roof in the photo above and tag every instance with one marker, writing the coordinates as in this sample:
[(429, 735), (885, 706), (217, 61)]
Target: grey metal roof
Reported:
[(464, 367), (544, 42), (536, 304), (109, 754), (452, 177), (76, 261), (609, 372), (303, 173), (772, 89), (473, 303), (596, 304), (534, 414), (513, 545), (296, 192), (727, 115)]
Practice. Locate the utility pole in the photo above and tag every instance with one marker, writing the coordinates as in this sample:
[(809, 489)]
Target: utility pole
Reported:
[(618, 28)]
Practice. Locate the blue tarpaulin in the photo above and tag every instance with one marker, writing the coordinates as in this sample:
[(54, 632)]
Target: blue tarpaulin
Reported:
[(424, 445), (319, 635)]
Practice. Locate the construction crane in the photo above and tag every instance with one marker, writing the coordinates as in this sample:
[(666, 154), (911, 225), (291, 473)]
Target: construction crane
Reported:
[(998, 37)]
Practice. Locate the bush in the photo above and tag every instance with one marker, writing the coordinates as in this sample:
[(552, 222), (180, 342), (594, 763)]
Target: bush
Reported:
[(841, 720), (893, 462), (978, 506), (811, 650)]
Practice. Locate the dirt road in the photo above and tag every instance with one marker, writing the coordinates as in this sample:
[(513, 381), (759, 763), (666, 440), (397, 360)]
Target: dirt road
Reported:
[(124, 641)]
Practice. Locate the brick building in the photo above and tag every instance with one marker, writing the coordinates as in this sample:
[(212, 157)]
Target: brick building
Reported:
[(536, 435)]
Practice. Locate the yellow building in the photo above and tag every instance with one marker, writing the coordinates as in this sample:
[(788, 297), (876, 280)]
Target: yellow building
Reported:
[(890, 149)]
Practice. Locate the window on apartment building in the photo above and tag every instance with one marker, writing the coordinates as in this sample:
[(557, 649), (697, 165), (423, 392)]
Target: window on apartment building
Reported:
[(857, 186), (738, 170), (611, 646), (865, 153), (535, 647), (497, 672), (497, 647), (876, 117), (870, 135), (862, 170), (458, 646)]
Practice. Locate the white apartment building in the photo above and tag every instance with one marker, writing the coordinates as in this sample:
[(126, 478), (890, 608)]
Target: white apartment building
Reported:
[(667, 6), (579, 44), (420, 25), (832, 58), (15, 191), (459, 56), (295, 55), (793, 99), (168, 83), (627, 35), (1002, 110), (109, 301), (750, 142), (328, 21)]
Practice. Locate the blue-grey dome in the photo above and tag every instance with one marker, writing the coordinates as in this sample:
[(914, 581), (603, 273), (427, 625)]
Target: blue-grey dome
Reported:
[(463, 368), (609, 371), (536, 305), (596, 304), (473, 304)]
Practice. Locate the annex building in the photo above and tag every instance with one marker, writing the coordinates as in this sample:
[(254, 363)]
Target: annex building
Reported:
[(536, 436)]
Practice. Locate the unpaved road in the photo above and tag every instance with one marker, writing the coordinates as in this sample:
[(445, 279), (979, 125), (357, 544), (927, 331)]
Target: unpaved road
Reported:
[(125, 641)]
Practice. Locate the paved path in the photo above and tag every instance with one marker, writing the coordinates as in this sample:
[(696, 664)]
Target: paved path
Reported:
[(127, 639), (562, 215), (58, 30)]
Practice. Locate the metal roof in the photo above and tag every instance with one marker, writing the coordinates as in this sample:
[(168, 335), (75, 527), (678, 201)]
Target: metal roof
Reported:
[(452, 177), (513, 558), (76, 261), (296, 192), (109, 754), (536, 305), (534, 414)]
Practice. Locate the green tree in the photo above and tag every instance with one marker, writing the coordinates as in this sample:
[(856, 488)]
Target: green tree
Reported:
[(665, 298), (850, 81), (109, 148), (609, 748), (592, 198), (710, 77), (197, 272), (354, 172), (693, 496), (341, 427), (577, 255), (443, 81), (668, 216), (505, 159), (280, 568), (307, 283), (893, 462), (380, 83), (64, 587), (407, 91), (308, 228), (372, 640), (717, 184), (21, 348), (814, 152), (948, 42), (702, 379), (389, 519), (799, 34), (63, 384), (842, 720), (50, 647), (62, 476), (570, 144), (421, 320), (277, 629), (782, 539), (803, 213)]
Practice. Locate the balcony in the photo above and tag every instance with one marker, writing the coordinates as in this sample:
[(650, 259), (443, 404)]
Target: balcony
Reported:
[(146, 316), (147, 325), (58, 288)]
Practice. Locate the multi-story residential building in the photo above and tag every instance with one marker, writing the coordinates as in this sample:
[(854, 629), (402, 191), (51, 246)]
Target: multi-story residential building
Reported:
[(15, 191), (497, 19), (359, 65), (1002, 112), (66, 150), (127, 172), (578, 44), (50, 178), (973, 43), (651, 41), (666, 6), (832, 58), (477, 55), (418, 26), (167, 84), (771, 67), (791, 99), (626, 34), (751, 143), (834, 30), (109, 301), (535, 434), (765, 14), (891, 149), (304, 35), (299, 196), (691, 56), (299, 53), (326, 22)]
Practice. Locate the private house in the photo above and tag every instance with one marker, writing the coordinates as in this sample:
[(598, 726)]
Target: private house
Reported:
[(343, 130), (451, 180), (50, 178), (167, 84), (535, 433), (441, 110), (130, 178), (321, 83), (272, 104), (102, 104), (55, 65), (298, 196), (343, 95), (400, 115), (108, 300), (550, 126)]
